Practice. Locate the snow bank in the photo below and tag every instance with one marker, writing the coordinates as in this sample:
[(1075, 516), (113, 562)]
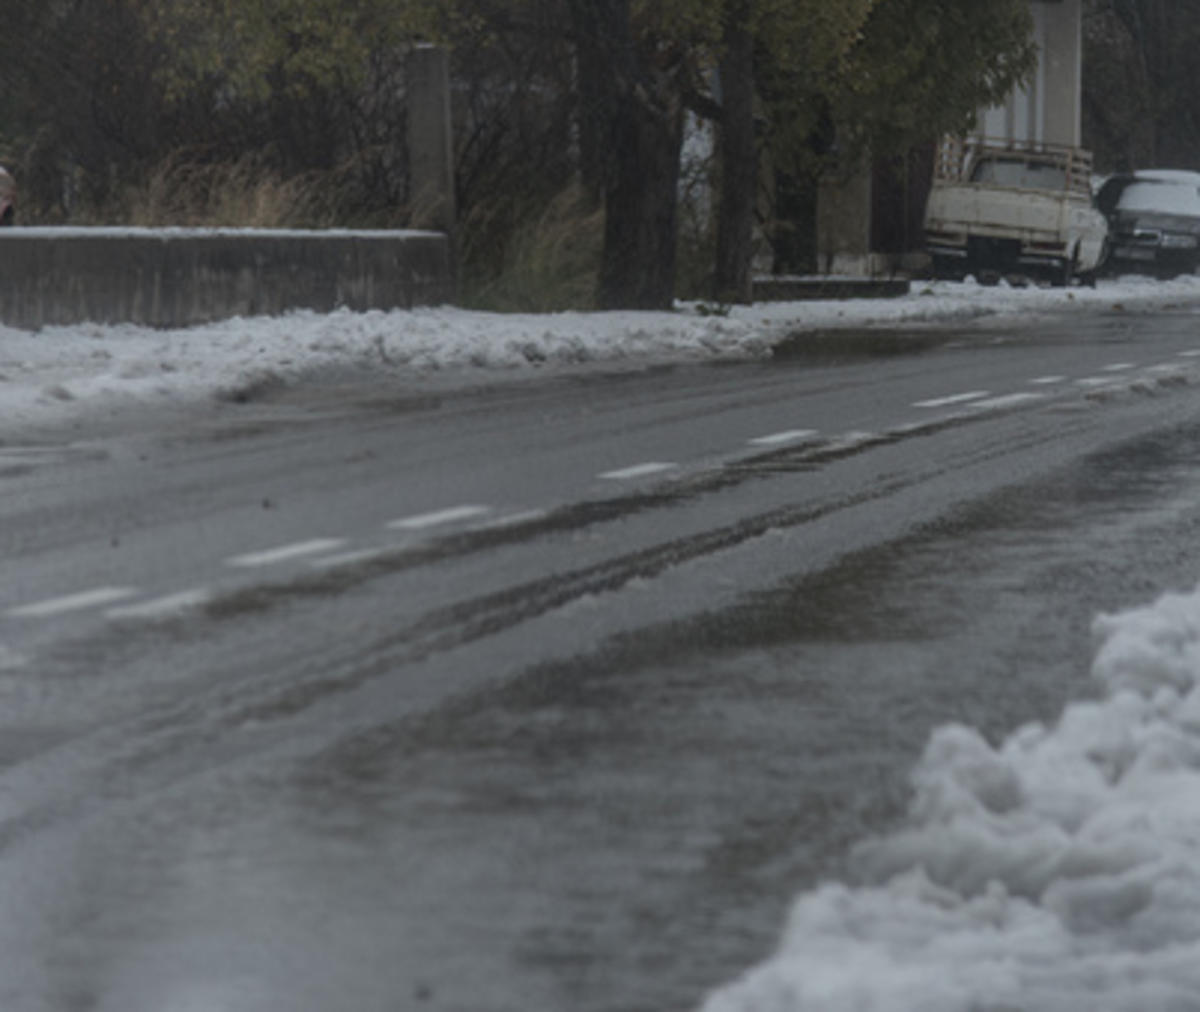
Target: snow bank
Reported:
[(1060, 871), (57, 372)]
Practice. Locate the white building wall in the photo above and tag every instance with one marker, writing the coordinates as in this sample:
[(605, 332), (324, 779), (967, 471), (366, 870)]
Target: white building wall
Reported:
[(1063, 73), (1047, 109)]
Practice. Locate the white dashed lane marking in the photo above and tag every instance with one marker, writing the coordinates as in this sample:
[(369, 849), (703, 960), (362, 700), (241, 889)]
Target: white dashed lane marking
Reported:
[(638, 471), (1007, 401), (1194, 353), (426, 520), (96, 598), (286, 553), (177, 602), (423, 521), (513, 519), (852, 441), (162, 607), (943, 402), (780, 438), (350, 558)]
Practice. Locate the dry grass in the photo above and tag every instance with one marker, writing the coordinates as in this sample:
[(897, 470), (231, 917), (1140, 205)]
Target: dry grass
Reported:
[(545, 263), (245, 194)]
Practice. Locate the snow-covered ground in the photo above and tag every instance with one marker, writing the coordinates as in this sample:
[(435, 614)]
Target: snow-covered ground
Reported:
[(1059, 872), (63, 372)]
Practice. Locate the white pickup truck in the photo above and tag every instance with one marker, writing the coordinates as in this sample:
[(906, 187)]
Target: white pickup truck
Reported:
[(1012, 208)]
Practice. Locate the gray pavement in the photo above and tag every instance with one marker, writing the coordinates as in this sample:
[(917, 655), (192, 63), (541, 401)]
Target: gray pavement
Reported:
[(545, 695)]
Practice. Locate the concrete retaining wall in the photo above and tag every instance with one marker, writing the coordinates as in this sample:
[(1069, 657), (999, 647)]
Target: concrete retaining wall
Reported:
[(822, 287), (179, 277)]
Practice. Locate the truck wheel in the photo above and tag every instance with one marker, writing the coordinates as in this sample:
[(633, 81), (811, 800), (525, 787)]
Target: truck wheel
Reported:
[(1066, 271), (946, 269)]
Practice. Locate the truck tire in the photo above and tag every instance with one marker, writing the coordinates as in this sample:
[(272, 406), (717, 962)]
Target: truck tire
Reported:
[(947, 269), (1066, 271)]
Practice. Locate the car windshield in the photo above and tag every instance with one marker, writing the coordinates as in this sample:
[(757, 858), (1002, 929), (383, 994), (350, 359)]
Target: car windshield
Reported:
[(1022, 174), (1161, 197)]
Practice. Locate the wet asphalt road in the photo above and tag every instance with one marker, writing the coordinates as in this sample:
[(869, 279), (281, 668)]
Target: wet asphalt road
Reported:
[(546, 695)]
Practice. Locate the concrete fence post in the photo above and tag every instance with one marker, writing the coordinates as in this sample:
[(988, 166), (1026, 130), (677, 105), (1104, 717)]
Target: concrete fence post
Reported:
[(430, 141)]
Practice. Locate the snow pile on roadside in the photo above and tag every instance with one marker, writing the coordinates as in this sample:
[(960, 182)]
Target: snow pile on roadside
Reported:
[(1058, 872), (61, 371)]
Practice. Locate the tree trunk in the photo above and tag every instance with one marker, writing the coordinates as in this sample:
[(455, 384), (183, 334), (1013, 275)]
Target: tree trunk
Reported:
[(732, 279), (593, 116), (635, 107), (640, 200)]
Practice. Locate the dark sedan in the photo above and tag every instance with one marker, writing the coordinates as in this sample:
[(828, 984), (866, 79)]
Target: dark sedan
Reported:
[(1154, 221)]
